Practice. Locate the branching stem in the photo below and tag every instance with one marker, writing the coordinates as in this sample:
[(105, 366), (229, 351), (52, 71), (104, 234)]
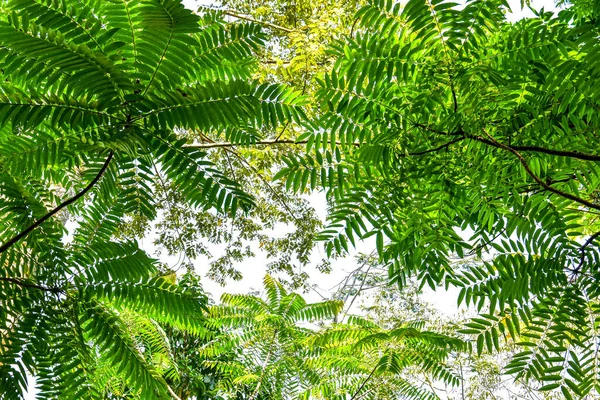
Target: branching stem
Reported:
[(62, 205), (588, 242), (537, 179), (22, 283), (233, 14), (362, 385)]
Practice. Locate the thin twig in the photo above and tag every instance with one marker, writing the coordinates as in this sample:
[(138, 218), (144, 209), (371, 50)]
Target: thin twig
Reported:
[(30, 285), (533, 149), (486, 243), (213, 145), (282, 131), (354, 396), (276, 193), (171, 205), (537, 149), (62, 205), (232, 13), (442, 147), (588, 242), (172, 393)]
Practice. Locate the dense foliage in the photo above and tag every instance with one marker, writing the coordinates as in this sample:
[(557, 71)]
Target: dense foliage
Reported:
[(93, 99), (266, 353), (461, 142), (296, 51), (465, 145)]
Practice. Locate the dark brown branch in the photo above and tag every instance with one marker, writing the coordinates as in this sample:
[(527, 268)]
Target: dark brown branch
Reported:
[(454, 100), (30, 285), (213, 145), (62, 205), (430, 129), (588, 242), (537, 149), (355, 395), (442, 147), (266, 183), (537, 179), (476, 249), (534, 149)]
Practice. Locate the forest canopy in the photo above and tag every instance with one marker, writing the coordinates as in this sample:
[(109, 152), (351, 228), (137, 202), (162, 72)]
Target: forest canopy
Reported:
[(463, 145)]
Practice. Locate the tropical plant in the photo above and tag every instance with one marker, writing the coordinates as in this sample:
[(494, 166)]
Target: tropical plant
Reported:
[(94, 99), (284, 348), (265, 341), (450, 134), (361, 360)]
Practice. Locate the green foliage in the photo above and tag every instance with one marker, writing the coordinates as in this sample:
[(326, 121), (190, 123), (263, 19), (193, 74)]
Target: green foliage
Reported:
[(294, 53), (450, 134), (264, 342), (365, 361), (266, 350), (436, 123), (94, 102)]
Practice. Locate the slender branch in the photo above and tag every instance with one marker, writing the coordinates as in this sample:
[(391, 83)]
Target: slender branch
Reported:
[(172, 393), (362, 385), (486, 243), (462, 382), (232, 13), (213, 145), (454, 100), (536, 178), (588, 242), (62, 205), (353, 26), (30, 285), (264, 367), (282, 131), (442, 147), (358, 292), (276, 193), (537, 149), (171, 205), (534, 149), (430, 129)]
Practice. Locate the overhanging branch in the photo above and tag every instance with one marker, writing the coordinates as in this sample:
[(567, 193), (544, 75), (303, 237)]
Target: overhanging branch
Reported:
[(23, 283), (588, 242), (213, 145), (62, 205), (537, 149), (493, 142)]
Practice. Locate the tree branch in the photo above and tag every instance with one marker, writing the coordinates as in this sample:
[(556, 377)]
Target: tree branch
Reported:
[(588, 242), (276, 193), (362, 385), (30, 285), (232, 13), (172, 393), (534, 149), (213, 145), (442, 147), (62, 205), (537, 149), (537, 179)]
